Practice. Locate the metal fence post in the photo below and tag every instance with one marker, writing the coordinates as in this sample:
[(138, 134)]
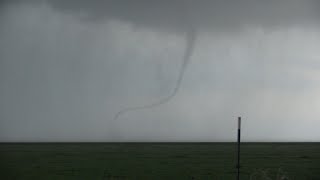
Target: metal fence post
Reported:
[(238, 150)]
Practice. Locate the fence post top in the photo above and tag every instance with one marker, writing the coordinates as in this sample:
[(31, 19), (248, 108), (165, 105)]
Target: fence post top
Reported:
[(239, 122)]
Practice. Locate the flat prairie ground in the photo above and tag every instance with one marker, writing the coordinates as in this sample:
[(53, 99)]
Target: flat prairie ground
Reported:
[(94, 161)]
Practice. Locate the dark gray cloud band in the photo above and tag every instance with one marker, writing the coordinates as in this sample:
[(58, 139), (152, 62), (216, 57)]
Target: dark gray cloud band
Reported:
[(170, 14)]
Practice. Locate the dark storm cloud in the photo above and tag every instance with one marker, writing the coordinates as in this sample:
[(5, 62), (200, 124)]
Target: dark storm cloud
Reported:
[(68, 66), (173, 14), (190, 16), (176, 14)]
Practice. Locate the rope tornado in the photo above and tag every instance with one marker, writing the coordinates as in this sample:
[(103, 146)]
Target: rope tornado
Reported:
[(190, 43)]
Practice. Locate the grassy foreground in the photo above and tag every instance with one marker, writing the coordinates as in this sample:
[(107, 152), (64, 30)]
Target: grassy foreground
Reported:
[(298, 161)]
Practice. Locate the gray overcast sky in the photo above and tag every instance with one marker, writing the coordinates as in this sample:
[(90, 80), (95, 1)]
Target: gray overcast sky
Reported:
[(68, 67)]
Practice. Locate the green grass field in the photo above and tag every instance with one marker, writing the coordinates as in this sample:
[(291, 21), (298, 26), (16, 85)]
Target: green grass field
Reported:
[(297, 161)]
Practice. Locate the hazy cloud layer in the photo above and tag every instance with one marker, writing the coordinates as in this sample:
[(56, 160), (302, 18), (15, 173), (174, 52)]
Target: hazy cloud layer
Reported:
[(67, 67)]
